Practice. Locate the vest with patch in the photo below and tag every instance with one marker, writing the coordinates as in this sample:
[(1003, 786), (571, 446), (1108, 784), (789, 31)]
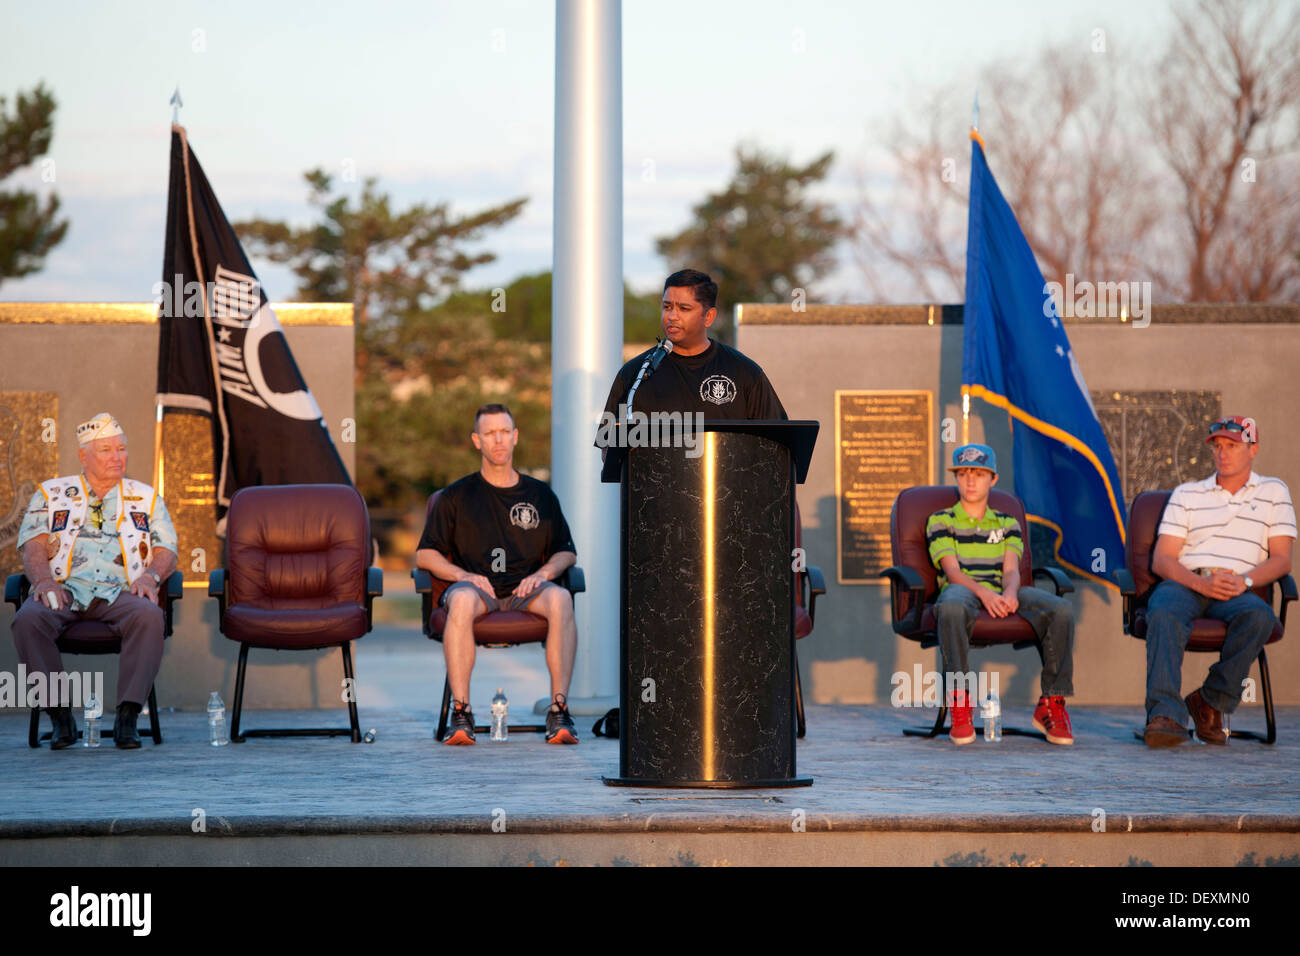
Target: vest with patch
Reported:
[(69, 501)]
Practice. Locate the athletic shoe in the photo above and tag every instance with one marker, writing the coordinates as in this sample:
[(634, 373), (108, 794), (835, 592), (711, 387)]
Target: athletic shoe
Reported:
[(460, 728), (963, 728), (1050, 718), (559, 725)]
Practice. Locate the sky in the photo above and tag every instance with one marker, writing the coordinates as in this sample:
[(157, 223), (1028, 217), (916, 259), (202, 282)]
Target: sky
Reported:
[(454, 102)]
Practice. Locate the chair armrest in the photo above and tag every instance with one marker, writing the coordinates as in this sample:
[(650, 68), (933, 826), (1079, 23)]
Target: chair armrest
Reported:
[(904, 578), (1128, 592), (173, 590), (217, 589), (1287, 585), (424, 587), (1059, 580), (16, 588), (1124, 579), (574, 580), (816, 586), (374, 589)]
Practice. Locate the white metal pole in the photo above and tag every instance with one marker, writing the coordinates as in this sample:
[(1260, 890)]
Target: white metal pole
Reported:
[(587, 318)]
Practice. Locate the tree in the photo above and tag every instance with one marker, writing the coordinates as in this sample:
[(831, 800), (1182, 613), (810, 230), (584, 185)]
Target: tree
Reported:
[(420, 362), (1056, 138), (1181, 174), (28, 229), (1224, 106), (762, 237)]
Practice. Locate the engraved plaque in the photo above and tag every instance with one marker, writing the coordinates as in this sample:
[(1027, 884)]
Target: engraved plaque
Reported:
[(884, 442), (190, 490), (29, 454), (1158, 437)]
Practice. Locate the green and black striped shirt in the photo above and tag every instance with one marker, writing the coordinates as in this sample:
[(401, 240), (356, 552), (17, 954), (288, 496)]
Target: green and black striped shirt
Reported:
[(980, 546)]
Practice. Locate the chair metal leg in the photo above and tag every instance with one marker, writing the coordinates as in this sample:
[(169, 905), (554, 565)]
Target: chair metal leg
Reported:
[(352, 697), (235, 736), (1266, 688), (802, 727), (155, 731), (933, 731), (34, 729), (446, 708)]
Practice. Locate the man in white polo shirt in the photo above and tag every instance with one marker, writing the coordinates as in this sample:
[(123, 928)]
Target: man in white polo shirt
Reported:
[(1218, 539)]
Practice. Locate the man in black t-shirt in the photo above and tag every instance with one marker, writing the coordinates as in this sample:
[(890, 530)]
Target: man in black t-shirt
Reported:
[(700, 375), (502, 540)]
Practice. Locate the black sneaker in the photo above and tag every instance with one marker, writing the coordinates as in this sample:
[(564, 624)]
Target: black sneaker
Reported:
[(559, 725), (460, 728)]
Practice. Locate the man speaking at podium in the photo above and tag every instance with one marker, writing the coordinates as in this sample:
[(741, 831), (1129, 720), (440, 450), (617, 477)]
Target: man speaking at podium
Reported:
[(688, 372), (699, 374)]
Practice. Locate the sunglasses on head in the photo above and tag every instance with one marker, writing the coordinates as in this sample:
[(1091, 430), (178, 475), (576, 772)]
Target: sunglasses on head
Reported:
[(1228, 426)]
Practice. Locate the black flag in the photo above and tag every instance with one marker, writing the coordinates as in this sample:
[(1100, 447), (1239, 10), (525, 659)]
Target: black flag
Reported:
[(221, 351)]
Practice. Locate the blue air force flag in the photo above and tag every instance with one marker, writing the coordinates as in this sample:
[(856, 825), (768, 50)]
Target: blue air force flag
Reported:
[(1016, 355)]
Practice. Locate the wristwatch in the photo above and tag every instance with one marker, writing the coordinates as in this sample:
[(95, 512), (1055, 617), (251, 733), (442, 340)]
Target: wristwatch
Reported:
[(1249, 583), (153, 574)]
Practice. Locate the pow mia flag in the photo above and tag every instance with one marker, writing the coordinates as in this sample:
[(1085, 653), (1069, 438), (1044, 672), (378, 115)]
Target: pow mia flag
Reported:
[(222, 353)]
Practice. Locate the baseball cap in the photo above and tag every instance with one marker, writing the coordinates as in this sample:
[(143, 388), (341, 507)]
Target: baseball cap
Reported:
[(974, 456), (1235, 427)]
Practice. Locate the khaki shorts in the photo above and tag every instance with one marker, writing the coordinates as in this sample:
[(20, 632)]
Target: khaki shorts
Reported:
[(493, 603)]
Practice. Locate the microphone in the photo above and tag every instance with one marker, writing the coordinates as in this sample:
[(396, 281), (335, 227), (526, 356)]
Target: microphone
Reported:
[(664, 347), (651, 363)]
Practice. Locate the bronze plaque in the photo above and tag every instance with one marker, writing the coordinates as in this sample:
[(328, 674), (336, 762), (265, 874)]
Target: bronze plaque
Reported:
[(1158, 437), (884, 442), (29, 454), (190, 490)]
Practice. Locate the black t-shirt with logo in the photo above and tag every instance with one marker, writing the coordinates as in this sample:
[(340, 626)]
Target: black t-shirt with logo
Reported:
[(472, 518), (720, 382)]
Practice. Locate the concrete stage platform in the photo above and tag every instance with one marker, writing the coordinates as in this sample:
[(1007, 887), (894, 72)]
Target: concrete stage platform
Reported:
[(878, 798)]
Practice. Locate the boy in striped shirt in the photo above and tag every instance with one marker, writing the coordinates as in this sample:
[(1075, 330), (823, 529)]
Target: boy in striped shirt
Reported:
[(977, 551), (1218, 539)]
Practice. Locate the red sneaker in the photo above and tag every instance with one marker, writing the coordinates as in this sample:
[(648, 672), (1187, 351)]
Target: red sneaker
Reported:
[(1050, 718), (963, 728)]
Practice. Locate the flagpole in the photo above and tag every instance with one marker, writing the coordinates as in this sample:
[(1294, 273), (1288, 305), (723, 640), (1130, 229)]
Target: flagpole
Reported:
[(175, 103), (965, 390)]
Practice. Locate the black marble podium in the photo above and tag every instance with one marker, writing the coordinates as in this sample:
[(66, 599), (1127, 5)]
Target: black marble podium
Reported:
[(706, 655)]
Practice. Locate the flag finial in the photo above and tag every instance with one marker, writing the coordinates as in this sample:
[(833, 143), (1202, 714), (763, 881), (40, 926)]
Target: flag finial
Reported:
[(176, 105), (975, 113)]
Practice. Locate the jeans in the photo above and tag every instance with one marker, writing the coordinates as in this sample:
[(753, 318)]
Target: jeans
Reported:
[(1170, 613), (1051, 617)]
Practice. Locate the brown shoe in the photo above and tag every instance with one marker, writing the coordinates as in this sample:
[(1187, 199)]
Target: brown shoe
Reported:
[(1163, 732), (1209, 722)]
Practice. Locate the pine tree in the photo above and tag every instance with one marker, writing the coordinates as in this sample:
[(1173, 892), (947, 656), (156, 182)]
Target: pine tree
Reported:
[(28, 227)]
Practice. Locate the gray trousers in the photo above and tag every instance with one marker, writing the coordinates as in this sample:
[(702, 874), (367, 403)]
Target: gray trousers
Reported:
[(1051, 617), (139, 622)]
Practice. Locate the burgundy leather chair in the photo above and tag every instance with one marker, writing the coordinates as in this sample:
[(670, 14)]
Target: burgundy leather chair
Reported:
[(1136, 582), (493, 629), (296, 579), (809, 585), (96, 637), (914, 588)]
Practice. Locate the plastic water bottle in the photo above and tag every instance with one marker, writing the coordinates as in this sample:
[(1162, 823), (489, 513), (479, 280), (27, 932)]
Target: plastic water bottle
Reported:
[(217, 735), (991, 711), (91, 714), (500, 707)]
